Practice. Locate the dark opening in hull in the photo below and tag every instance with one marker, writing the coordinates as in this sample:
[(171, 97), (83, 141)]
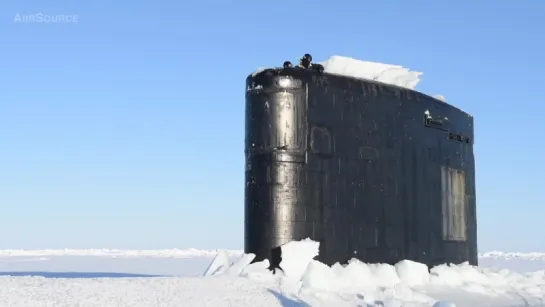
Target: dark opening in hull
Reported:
[(371, 171)]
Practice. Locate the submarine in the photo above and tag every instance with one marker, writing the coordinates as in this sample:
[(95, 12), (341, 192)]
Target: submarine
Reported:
[(371, 171)]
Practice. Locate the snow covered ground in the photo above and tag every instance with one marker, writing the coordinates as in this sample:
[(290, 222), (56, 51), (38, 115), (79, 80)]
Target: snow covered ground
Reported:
[(502, 279), (172, 262)]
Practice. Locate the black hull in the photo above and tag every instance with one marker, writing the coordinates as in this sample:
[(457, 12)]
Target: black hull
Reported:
[(371, 171)]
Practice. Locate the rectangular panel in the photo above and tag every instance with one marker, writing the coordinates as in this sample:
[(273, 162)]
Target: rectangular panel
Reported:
[(320, 141), (454, 204)]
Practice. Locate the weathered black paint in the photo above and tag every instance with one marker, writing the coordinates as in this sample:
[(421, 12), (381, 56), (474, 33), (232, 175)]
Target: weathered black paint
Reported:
[(358, 166)]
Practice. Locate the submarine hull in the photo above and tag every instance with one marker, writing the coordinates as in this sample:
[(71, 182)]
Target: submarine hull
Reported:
[(371, 171)]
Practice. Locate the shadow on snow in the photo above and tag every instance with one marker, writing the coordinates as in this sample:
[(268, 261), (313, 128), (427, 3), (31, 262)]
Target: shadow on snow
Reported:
[(286, 301)]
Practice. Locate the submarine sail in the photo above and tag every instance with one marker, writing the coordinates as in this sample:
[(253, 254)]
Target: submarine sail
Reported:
[(370, 170)]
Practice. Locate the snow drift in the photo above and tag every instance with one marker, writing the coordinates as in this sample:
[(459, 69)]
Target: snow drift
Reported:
[(407, 283), (381, 72), (386, 73)]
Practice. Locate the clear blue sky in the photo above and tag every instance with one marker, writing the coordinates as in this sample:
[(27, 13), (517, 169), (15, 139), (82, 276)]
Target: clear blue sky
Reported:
[(126, 129)]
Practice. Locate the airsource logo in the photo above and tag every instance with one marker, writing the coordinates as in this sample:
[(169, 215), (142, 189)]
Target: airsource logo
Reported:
[(45, 18)]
